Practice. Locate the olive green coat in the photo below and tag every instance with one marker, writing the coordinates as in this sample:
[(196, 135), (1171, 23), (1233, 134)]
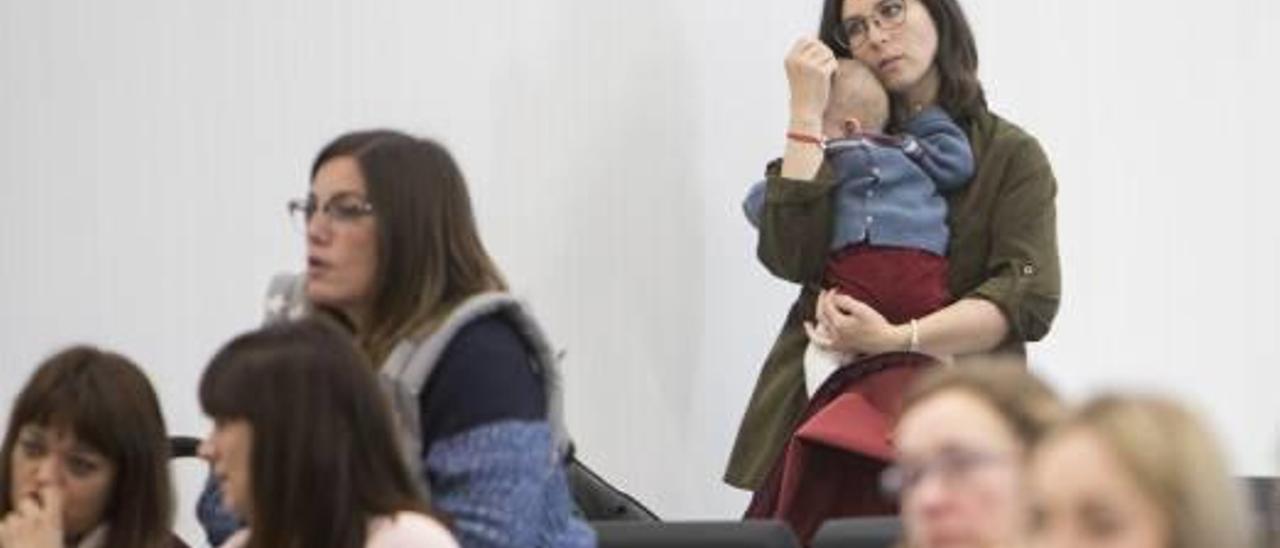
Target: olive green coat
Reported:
[(1003, 249)]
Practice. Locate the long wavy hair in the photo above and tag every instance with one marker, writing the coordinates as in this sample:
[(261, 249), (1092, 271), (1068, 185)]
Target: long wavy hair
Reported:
[(430, 257)]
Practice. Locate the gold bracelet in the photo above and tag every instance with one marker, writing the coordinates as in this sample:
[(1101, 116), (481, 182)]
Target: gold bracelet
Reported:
[(915, 336)]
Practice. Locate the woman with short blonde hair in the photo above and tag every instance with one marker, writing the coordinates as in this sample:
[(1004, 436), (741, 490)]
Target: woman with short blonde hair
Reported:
[(1135, 471)]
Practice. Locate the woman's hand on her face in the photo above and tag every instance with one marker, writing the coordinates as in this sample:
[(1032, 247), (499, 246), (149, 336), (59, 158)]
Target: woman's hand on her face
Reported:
[(856, 328), (34, 524), (809, 64)]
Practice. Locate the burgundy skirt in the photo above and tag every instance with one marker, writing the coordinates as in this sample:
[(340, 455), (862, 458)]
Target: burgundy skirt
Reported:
[(843, 440)]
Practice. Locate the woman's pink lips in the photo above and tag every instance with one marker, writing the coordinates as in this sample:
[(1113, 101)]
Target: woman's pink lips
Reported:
[(887, 62)]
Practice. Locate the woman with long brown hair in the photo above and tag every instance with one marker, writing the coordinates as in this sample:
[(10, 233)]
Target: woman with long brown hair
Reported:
[(393, 253), (1002, 253)]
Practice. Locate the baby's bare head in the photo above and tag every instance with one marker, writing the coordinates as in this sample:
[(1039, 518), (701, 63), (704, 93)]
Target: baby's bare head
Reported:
[(856, 94)]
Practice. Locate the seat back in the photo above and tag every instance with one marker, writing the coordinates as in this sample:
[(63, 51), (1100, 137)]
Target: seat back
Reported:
[(600, 501), (694, 534), (872, 532), (183, 447)]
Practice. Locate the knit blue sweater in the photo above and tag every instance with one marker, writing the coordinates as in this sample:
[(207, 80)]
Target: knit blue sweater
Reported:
[(888, 190)]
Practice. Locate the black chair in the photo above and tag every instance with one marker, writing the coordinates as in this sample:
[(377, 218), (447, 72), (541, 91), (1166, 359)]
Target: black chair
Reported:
[(694, 534), (181, 447), (874, 532), (1264, 498), (600, 501)]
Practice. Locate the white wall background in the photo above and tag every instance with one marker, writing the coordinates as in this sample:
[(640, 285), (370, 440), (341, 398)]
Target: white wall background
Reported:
[(147, 148)]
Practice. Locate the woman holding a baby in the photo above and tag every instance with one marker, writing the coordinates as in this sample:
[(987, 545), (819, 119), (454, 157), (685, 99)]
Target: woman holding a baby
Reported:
[(921, 227)]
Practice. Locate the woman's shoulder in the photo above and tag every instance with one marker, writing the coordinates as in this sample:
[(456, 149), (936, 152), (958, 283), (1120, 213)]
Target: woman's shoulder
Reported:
[(488, 354), (486, 358), (487, 331), (474, 330), (408, 529), (997, 141), (994, 131), (487, 344), (484, 317)]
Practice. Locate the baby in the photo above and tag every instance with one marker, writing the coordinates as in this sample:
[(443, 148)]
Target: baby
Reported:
[(890, 237), (856, 105)]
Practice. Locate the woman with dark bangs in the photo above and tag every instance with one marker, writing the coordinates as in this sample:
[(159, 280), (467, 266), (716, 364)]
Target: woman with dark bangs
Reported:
[(85, 458), (303, 446)]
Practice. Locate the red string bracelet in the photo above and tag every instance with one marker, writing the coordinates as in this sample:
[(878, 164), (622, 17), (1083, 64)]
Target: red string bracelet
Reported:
[(807, 139)]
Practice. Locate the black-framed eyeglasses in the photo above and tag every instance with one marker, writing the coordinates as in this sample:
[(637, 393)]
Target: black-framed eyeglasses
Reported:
[(343, 208), (951, 466), (886, 15)]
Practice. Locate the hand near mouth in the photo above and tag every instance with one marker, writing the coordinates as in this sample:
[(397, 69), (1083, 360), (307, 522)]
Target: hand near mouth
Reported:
[(36, 522)]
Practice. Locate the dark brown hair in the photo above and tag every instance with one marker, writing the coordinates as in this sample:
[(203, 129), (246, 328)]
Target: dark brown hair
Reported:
[(959, 91), (430, 257), (324, 458), (1027, 405), (108, 404)]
